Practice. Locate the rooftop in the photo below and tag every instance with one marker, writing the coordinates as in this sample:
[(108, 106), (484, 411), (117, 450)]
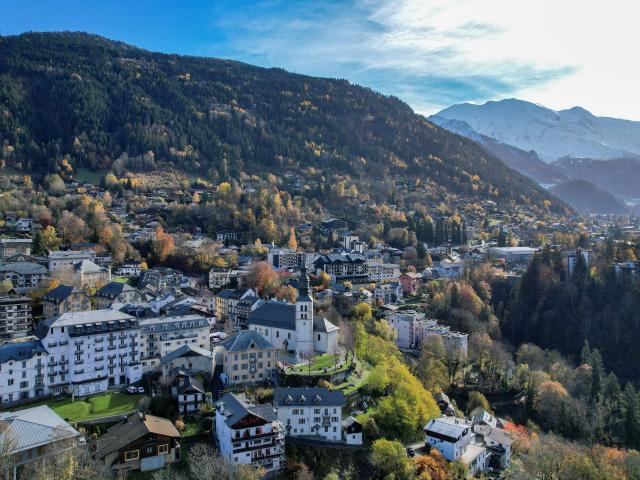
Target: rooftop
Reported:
[(91, 316)]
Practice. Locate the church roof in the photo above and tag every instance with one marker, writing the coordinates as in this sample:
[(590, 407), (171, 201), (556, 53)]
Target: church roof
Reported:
[(274, 314)]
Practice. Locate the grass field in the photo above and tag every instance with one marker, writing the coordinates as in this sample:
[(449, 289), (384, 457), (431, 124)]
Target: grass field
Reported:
[(93, 407), (86, 175), (319, 363)]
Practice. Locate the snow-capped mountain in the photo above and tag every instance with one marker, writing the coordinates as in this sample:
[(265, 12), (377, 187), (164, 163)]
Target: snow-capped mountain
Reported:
[(551, 134)]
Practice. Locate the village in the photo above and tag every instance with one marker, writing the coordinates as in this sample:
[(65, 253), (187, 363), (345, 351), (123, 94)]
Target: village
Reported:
[(249, 355)]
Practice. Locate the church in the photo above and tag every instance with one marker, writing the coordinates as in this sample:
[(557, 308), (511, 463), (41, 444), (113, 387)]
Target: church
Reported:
[(293, 327)]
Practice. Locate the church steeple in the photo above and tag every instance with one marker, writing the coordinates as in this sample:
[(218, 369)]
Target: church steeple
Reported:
[(303, 283)]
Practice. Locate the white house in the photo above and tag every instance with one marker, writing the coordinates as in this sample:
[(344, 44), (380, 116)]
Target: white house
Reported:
[(249, 434), (293, 327), (309, 411), (450, 435), (352, 430), (91, 351)]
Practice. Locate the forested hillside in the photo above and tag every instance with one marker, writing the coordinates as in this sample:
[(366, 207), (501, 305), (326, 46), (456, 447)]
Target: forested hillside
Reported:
[(70, 100)]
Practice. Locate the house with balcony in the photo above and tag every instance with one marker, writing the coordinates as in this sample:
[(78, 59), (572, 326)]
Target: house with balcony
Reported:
[(188, 392), (24, 276), (140, 442), (117, 292), (249, 434)]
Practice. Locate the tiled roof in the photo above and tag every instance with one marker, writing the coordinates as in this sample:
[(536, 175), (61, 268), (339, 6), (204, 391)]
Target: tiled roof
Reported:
[(244, 340), (20, 350), (188, 350), (301, 396), (134, 427), (23, 268), (235, 409)]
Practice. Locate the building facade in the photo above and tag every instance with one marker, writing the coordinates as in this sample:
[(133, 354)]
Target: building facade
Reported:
[(246, 358), (63, 299), (310, 411), (90, 352), (249, 434), (15, 317)]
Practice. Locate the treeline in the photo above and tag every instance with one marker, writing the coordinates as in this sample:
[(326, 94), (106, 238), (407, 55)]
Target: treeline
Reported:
[(83, 101), (557, 311)]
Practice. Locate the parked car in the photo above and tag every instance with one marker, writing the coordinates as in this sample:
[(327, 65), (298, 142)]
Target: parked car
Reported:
[(132, 389), (140, 389)]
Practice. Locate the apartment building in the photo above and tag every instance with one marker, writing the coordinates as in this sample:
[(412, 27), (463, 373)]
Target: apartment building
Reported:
[(24, 276), (91, 351), (227, 301), (221, 277), (15, 317), (285, 259), (309, 411), (384, 272), (22, 370), (163, 335), (343, 266), (413, 328), (63, 299), (249, 434)]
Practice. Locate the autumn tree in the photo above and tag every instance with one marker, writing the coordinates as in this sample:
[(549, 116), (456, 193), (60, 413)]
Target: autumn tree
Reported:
[(162, 244), (262, 278), (292, 243), (389, 457), (72, 228)]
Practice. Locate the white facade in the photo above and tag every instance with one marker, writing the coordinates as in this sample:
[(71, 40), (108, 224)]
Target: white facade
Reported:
[(381, 272), (22, 371), (450, 435), (92, 351), (413, 328), (310, 412), (304, 326), (163, 335)]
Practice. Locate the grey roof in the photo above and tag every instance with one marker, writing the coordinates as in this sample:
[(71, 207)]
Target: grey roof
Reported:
[(90, 316), (87, 266), (8, 241), (301, 396), (185, 351), (277, 314), (60, 293), (321, 324), (449, 429), (339, 258), (113, 289), (192, 385), (23, 268), (10, 299), (226, 293), (20, 350), (274, 314), (244, 340), (172, 323), (235, 409), (33, 427)]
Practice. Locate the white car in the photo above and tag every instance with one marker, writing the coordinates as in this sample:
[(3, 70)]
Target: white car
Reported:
[(140, 389), (132, 389)]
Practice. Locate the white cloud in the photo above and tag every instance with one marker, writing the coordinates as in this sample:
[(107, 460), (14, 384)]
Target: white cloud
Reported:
[(432, 53)]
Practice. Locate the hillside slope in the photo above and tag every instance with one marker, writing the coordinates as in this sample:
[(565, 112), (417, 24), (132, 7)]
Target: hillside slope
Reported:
[(86, 100), (552, 134), (585, 197)]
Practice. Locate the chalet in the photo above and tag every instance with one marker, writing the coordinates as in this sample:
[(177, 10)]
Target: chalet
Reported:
[(188, 391), (140, 442), (249, 434)]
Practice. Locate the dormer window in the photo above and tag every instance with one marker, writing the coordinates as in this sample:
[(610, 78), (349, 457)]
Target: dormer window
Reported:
[(302, 399), (317, 399), (288, 400)]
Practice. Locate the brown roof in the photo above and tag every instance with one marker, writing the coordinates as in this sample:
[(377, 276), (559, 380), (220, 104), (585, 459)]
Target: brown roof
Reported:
[(132, 428)]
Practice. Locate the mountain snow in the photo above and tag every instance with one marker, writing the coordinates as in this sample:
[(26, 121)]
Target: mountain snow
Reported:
[(551, 134)]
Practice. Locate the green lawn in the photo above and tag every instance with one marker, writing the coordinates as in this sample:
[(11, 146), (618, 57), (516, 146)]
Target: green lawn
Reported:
[(86, 175), (319, 363), (98, 406)]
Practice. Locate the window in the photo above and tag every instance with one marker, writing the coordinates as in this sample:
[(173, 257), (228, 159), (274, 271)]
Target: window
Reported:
[(133, 455), (318, 337), (10, 381), (162, 449)]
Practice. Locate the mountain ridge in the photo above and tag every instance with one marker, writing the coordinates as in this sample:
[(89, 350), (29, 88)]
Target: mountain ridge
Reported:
[(573, 132), (85, 100)]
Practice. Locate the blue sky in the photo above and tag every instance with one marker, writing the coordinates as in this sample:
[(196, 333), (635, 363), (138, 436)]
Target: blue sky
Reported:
[(430, 53)]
